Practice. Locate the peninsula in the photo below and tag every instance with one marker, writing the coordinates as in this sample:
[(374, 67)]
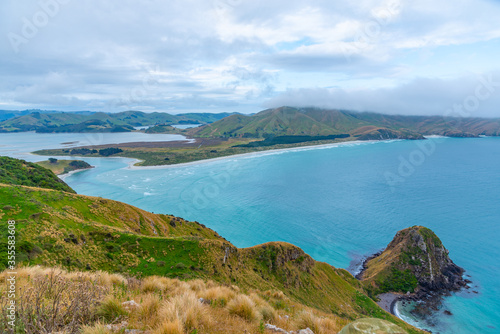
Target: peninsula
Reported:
[(284, 127)]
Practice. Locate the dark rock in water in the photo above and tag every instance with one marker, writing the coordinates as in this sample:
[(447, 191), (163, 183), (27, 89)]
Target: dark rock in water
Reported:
[(363, 265), (447, 312)]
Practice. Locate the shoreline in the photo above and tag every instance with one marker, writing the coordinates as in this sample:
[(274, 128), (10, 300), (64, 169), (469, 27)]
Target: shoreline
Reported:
[(132, 164), (388, 301), (250, 154), (65, 175)]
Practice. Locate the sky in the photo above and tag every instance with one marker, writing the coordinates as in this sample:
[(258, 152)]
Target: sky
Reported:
[(397, 57)]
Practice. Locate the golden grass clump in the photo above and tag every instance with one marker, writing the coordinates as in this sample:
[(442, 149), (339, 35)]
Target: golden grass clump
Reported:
[(278, 295), (266, 311), (147, 314), (218, 295), (187, 309), (95, 329), (244, 307), (111, 309), (210, 284), (153, 284), (107, 279), (327, 325), (197, 285), (170, 327), (306, 319)]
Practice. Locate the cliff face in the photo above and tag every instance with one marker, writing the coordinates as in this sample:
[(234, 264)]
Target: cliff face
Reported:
[(416, 261)]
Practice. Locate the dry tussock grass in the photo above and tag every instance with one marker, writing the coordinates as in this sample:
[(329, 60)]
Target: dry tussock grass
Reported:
[(243, 306), (88, 301), (147, 314), (170, 327), (187, 309)]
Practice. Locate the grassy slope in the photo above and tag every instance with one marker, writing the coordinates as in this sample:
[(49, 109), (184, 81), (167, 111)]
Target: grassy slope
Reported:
[(278, 122), (72, 122), (311, 121), (20, 172), (81, 232)]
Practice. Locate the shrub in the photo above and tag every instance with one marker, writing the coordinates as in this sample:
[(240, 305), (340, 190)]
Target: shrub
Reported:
[(180, 265), (106, 152), (399, 281), (50, 302)]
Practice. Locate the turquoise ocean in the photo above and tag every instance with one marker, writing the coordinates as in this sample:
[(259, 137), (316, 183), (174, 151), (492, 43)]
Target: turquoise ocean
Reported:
[(339, 203)]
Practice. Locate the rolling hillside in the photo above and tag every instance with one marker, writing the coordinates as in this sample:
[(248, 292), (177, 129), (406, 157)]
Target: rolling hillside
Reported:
[(79, 233), (20, 172), (286, 121), (82, 233), (99, 121)]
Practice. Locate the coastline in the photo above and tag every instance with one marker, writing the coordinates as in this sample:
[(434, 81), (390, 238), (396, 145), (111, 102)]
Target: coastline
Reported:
[(388, 301), (65, 175), (132, 165)]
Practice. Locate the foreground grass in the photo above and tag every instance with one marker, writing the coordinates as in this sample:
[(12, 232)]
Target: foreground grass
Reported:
[(55, 300)]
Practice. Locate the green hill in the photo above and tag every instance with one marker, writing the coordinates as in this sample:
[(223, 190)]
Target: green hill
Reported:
[(286, 121), (415, 261), (277, 122), (59, 167), (84, 233), (92, 236), (20, 172), (99, 121)]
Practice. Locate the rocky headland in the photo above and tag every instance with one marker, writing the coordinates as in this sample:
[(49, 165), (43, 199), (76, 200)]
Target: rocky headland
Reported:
[(414, 266)]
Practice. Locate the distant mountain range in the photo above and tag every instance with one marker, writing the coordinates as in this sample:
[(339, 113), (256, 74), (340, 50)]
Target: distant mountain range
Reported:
[(50, 121), (284, 121), (7, 114), (288, 121)]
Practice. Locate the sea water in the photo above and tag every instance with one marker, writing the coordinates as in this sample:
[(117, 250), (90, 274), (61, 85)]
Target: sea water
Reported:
[(340, 203)]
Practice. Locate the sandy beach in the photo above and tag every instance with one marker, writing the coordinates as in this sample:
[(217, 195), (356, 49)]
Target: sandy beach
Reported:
[(251, 154), (65, 175)]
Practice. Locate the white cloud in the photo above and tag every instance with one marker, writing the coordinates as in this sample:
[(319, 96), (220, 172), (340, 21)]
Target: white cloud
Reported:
[(235, 50), (470, 96)]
